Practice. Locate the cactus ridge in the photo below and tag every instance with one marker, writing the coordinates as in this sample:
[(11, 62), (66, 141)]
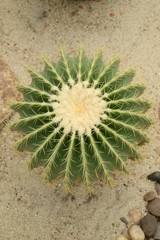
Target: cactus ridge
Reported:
[(81, 118)]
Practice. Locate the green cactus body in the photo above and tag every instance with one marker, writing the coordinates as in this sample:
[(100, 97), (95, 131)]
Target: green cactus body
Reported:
[(81, 118)]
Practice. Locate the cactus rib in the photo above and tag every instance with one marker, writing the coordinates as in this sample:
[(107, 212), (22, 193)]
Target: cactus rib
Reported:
[(85, 165), (123, 140)]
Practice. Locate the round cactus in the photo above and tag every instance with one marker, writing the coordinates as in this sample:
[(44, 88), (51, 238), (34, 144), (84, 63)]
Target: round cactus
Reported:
[(81, 119)]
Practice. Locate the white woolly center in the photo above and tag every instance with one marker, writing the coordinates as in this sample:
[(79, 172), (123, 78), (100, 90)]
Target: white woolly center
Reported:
[(78, 108)]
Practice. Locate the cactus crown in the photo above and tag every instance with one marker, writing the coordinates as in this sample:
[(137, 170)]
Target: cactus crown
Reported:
[(81, 118)]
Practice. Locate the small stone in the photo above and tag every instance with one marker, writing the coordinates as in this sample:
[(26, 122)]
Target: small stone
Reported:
[(155, 177), (154, 207), (157, 188), (136, 233), (157, 234), (111, 14), (121, 237), (149, 225), (124, 220), (135, 215), (149, 196)]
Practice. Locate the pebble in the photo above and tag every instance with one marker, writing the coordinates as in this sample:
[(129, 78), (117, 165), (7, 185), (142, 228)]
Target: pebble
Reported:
[(155, 176), (157, 188), (157, 234), (124, 220), (149, 196), (121, 237), (154, 207), (149, 225), (135, 215), (136, 233)]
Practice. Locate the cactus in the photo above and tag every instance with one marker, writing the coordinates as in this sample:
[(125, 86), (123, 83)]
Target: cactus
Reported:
[(81, 119)]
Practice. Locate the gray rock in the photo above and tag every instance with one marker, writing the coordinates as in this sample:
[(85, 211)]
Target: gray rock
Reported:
[(155, 177), (124, 220), (157, 234), (149, 225), (154, 207)]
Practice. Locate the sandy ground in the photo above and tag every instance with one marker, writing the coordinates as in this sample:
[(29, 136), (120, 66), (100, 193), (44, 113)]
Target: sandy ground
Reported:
[(31, 209)]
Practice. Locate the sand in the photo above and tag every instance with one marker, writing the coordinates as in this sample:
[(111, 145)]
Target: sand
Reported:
[(31, 209)]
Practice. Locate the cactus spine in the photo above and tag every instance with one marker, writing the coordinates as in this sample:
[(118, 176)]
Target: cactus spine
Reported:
[(81, 118)]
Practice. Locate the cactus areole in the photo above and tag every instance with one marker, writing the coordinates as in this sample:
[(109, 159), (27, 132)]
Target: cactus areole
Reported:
[(81, 118)]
